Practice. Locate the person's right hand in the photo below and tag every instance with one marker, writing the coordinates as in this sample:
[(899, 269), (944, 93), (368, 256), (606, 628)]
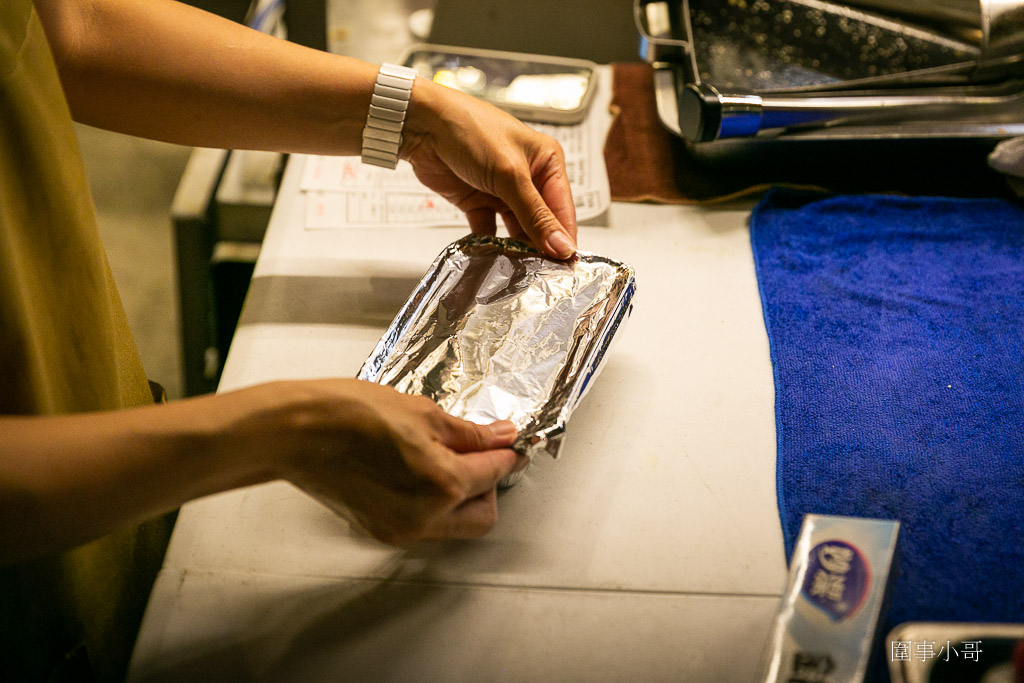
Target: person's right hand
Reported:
[(488, 163), (397, 465)]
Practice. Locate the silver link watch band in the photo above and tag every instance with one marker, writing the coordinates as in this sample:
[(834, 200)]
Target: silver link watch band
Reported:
[(382, 136)]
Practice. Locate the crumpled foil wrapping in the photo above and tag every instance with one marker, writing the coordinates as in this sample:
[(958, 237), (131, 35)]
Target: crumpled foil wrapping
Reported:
[(496, 331)]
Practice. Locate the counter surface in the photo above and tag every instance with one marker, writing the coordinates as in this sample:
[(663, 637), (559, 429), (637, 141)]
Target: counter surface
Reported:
[(650, 550)]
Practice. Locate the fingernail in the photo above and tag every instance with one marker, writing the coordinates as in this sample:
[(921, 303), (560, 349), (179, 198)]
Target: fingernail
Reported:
[(522, 462), (504, 430), (561, 245)]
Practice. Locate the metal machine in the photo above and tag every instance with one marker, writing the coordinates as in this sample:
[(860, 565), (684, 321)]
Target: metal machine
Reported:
[(811, 69)]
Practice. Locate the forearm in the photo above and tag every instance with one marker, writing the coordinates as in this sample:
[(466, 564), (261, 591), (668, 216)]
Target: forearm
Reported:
[(67, 479), (164, 70), (398, 464)]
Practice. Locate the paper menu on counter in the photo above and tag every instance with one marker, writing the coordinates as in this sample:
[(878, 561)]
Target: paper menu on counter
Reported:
[(342, 192)]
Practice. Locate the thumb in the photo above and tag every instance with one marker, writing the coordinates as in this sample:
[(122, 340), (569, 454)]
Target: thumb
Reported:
[(463, 436)]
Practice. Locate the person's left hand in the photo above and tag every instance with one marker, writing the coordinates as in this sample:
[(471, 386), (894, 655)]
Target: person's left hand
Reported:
[(488, 163)]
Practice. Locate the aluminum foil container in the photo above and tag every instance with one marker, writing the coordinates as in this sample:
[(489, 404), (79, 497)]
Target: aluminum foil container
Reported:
[(496, 331)]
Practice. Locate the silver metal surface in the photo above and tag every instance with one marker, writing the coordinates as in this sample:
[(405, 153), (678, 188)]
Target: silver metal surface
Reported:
[(749, 115), (799, 45), (812, 69), (1002, 26), (742, 115), (972, 123), (653, 22), (666, 99), (495, 331), (942, 12)]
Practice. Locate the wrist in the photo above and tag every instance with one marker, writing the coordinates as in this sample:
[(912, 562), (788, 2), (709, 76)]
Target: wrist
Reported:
[(427, 111), (385, 119), (286, 430), (258, 430)]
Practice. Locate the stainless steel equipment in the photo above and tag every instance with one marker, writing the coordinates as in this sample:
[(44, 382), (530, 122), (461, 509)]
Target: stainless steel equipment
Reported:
[(814, 69)]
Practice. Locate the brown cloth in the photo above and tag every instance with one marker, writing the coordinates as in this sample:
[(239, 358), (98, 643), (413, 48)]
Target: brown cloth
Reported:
[(648, 163)]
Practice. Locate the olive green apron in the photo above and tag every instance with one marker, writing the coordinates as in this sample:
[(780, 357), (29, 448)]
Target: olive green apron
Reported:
[(65, 347)]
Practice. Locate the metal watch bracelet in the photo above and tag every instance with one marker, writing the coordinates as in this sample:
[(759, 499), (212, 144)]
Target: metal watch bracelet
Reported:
[(382, 135)]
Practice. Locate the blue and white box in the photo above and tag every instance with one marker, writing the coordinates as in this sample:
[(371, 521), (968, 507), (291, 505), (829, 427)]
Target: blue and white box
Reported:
[(828, 625)]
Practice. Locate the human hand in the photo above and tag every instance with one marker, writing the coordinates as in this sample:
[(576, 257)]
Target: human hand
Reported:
[(488, 163), (397, 465)]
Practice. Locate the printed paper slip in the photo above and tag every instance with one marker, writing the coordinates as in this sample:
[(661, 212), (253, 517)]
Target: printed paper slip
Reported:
[(341, 192)]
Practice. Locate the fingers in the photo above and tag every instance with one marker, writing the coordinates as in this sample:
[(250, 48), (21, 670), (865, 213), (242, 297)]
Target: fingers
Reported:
[(463, 436), (512, 225), (397, 465), (554, 188), (478, 514), (537, 219), (478, 157), (474, 518), (482, 221), (464, 507), (483, 471)]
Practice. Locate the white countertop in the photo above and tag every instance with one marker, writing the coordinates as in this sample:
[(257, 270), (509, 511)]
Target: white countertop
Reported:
[(651, 550)]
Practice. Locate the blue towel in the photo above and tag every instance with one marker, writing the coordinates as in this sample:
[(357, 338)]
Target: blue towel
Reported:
[(896, 327)]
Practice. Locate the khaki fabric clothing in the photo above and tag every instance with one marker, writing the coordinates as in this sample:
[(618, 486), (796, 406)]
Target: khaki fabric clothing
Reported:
[(65, 347)]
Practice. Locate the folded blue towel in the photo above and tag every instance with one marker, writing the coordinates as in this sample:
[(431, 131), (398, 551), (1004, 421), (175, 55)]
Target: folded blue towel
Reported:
[(896, 327)]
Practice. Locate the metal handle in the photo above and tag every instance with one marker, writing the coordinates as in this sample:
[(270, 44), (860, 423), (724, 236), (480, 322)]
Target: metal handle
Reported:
[(658, 45), (706, 114)]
